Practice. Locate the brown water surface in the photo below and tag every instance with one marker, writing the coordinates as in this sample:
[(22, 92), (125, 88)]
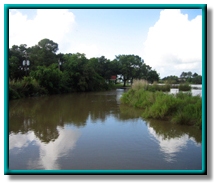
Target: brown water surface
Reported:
[(94, 131)]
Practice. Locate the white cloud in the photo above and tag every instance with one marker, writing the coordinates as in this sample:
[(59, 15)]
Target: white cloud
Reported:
[(174, 44), (54, 24), (90, 50)]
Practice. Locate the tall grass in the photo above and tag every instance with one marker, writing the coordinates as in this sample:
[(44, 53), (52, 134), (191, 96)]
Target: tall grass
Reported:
[(143, 84), (139, 84), (25, 88), (182, 108)]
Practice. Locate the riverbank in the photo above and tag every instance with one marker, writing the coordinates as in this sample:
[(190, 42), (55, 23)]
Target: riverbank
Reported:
[(180, 108), (30, 87)]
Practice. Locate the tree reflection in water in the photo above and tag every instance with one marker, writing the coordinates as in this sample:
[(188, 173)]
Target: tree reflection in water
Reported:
[(54, 124), (43, 115)]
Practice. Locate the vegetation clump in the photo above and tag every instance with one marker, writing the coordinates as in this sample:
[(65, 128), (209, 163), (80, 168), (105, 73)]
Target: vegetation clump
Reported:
[(180, 108), (139, 84), (27, 87), (184, 87)]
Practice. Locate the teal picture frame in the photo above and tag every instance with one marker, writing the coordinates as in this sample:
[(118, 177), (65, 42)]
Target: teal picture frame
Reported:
[(203, 7)]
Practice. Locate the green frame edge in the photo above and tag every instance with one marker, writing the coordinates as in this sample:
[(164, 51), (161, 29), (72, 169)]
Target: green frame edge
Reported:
[(203, 171)]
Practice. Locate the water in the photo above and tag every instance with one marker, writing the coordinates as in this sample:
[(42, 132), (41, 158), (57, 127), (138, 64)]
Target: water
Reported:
[(94, 131), (196, 90)]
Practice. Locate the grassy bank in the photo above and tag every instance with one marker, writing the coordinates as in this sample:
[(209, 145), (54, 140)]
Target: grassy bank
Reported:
[(27, 87), (30, 87), (182, 108)]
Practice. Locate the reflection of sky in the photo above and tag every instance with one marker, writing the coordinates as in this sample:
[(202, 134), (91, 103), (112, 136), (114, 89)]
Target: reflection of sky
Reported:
[(170, 146), (20, 140), (194, 92), (49, 153), (119, 94), (174, 90)]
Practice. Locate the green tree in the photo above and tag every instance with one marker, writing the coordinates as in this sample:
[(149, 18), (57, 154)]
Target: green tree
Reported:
[(49, 77), (153, 76), (129, 65), (197, 79), (104, 69), (74, 68), (189, 74), (93, 79), (194, 75), (15, 68), (171, 79), (43, 54), (145, 72), (83, 73), (16, 56), (48, 45), (183, 75)]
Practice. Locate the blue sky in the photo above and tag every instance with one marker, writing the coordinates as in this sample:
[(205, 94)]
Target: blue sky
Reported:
[(168, 40)]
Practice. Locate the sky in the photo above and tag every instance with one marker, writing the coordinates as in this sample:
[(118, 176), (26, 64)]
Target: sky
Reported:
[(169, 40)]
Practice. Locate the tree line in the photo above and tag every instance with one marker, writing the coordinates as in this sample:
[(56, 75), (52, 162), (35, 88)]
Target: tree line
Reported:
[(185, 77), (40, 70), (40, 66)]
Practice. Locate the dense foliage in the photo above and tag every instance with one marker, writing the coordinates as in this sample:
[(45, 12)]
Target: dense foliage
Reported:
[(52, 73)]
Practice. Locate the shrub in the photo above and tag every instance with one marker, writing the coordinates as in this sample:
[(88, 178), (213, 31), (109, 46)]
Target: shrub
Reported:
[(126, 97), (156, 87), (184, 87), (162, 106), (181, 117), (13, 94), (138, 98), (189, 114), (48, 77)]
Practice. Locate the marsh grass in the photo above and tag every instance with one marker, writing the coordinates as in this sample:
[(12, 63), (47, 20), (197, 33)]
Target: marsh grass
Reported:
[(143, 84), (181, 108), (139, 84), (184, 87), (25, 88), (156, 87)]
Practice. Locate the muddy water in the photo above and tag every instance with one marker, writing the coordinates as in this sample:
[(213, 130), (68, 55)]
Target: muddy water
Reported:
[(94, 131)]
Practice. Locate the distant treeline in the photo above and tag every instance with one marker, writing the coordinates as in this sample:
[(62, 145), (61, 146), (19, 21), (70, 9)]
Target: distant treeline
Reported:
[(184, 77)]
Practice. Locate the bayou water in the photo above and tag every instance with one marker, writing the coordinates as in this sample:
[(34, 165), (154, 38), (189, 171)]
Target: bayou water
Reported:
[(93, 131)]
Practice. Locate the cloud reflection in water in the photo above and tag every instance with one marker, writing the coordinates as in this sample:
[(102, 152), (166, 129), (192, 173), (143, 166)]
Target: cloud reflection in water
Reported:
[(170, 146), (50, 152)]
